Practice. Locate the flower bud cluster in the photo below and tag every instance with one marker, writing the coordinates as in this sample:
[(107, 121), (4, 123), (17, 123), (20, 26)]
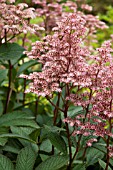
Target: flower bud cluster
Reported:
[(14, 19), (58, 54), (97, 99), (110, 148), (50, 12), (65, 60)]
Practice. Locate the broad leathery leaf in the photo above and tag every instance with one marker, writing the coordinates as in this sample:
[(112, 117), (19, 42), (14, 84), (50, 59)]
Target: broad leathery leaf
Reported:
[(26, 159), (17, 118), (103, 164), (3, 130), (53, 163), (57, 141), (25, 66), (5, 163), (11, 51), (93, 155)]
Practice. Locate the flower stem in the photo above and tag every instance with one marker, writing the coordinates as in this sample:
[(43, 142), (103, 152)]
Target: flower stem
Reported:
[(9, 88)]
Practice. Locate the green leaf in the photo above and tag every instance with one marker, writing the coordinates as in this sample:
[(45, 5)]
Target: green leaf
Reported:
[(5, 163), (11, 149), (55, 99), (11, 51), (3, 74), (13, 115), (25, 66), (111, 161), (74, 111), (53, 128), (45, 149), (3, 140), (25, 159), (46, 145), (9, 135), (23, 131), (24, 122), (17, 118), (35, 134), (103, 164), (85, 139), (55, 138), (101, 147), (53, 162), (57, 141), (93, 155), (79, 167), (1, 108)]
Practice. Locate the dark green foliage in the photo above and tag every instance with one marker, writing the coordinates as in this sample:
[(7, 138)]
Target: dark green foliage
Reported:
[(5, 163), (11, 51), (53, 162), (26, 159)]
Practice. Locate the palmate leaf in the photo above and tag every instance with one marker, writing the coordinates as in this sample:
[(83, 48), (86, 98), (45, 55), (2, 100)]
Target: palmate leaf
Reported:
[(53, 162), (5, 163), (17, 118), (25, 159), (11, 51)]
